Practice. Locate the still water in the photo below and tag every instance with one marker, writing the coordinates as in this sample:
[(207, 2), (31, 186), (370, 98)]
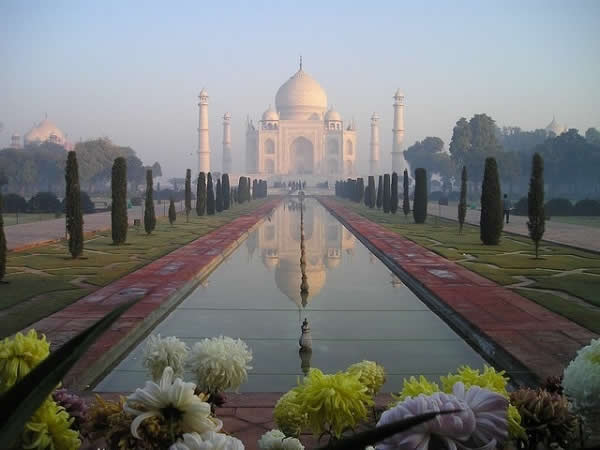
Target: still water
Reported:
[(357, 309)]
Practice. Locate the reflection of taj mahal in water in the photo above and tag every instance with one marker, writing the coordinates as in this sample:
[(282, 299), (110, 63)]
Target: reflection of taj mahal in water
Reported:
[(279, 243)]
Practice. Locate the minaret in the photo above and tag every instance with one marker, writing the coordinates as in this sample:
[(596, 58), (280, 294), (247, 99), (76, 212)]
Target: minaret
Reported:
[(226, 165), (374, 156), (203, 142), (398, 162)]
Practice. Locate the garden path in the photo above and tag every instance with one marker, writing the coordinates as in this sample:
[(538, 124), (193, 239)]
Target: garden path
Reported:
[(587, 238)]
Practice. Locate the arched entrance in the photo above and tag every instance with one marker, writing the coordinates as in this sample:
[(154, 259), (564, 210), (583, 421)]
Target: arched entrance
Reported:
[(302, 156)]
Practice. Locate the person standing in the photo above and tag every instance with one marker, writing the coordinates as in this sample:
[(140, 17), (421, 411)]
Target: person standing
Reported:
[(506, 207)]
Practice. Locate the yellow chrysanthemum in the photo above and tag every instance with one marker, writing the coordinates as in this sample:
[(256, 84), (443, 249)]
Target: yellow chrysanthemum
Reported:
[(413, 388), (333, 403), (491, 380), (371, 374), (50, 428), (288, 414), (20, 354)]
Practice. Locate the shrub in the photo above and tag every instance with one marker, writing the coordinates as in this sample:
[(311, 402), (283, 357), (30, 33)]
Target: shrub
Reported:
[(210, 195), (188, 193), (435, 196), (386, 193), (14, 203), (227, 191), (219, 197), (380, 192), (137, 201), (559, 207), (462, 204), (405, 199), (454, 196), (87, 205), (119, 201), (535, 202), (149, 215), (2, 244), (172, 212), (587, 207), (420, 201), (520, 208), (201, 194), (360, 190), (372, 193), (45, 202), (394, 196), (490, 223), (74, 217)]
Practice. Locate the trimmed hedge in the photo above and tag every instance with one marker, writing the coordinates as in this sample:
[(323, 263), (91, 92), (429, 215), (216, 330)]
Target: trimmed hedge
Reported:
[(559, 207)]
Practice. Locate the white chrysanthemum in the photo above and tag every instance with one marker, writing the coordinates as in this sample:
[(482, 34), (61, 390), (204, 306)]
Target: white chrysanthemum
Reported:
[(581, 379), (164, 352), (220, 364), (172, 400), (207, 441), (276, 440)]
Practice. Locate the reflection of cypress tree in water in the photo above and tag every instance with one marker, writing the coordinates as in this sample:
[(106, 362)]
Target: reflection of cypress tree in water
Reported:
[(304, 282)]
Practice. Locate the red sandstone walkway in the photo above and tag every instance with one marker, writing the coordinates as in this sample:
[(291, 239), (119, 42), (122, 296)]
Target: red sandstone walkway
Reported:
[(541, 340), (161, 284)]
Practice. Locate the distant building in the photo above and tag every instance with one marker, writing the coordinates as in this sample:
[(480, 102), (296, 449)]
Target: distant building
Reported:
[(15, 141), (46, 131), (555, 128)]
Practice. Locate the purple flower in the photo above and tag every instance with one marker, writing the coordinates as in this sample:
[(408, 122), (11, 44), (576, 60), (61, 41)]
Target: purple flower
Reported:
[(73, 404), (481, 423)]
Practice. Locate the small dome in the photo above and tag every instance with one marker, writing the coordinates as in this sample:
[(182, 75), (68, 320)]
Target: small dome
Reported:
[(375, 117), (399, 93), (555, 128), (270, 114), (301, 97), (227, 116), (45, 131), (333, 115), (203, 93)]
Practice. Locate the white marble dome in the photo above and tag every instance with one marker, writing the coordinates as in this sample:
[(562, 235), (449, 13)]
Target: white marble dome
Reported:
[(301, 97), (45, 131), (270, 114), (333, 115)]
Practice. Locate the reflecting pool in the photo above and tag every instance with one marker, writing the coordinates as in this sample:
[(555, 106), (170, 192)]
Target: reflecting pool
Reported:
[(357, 309)]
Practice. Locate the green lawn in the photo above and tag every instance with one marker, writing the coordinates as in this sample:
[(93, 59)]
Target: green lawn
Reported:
[(509, 261), (46, 279)]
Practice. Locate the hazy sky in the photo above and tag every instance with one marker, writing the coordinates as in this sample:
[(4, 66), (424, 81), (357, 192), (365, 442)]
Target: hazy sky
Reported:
[(132, 70)]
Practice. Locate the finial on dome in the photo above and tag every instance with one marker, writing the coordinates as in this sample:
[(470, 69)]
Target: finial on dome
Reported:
[(300, 62)]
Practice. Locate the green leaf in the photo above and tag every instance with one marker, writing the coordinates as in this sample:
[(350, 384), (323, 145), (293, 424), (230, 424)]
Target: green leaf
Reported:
[(25, 397), (370, 437)]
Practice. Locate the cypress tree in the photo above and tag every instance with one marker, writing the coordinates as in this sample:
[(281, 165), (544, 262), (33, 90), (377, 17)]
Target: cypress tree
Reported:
[(405, 195), (380, 192), (201, 194), (118, 214), (420, 201), (535, 203), (226, 191), (254, 189), (372, 194), (386, 193), (74, 217), (172, 212), (360, 189), (462, 204), (188, 194), (240, 190), (210, 196), (490, 223), (3, 250), (394, 197), (219, 197), (248, 193), (149, 215)]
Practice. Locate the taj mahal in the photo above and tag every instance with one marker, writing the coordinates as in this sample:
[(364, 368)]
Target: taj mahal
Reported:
[(301, 136)]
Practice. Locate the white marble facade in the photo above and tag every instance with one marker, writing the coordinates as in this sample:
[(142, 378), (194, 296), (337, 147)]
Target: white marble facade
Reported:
[(301, 136)]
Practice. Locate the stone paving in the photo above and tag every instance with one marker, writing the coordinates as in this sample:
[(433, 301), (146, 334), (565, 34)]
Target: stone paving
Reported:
[(27, 235), (540, 340), (587, 238), (160, 284)]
